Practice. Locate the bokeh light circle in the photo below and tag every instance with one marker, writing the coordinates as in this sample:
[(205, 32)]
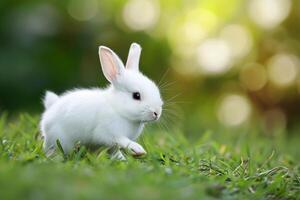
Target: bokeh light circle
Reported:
[(213, 56), (238, 38), (187, 32), (283, 69), (233, 110), (141, 14), (83, 10), (253, 76), (269, 13)]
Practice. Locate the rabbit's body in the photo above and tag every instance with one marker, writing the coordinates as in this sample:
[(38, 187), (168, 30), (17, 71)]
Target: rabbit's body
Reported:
[(86, 115), (112, 116)]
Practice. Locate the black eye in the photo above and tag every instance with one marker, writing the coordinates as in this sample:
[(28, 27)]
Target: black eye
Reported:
[(136, 96)]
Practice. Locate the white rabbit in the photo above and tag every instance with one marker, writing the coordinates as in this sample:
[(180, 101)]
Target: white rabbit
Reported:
[(112, 116)]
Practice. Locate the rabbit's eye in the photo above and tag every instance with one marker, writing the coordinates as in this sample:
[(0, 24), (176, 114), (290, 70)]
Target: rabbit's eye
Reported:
[(136, 96)]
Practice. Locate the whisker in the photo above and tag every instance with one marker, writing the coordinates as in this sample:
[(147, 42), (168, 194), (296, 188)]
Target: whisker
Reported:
[(171, 119), (173, 104), (172, 98), (168, 110), (165, 124), (163, 127), (173, 115), (160, 126), (163, 76), (166, 85)]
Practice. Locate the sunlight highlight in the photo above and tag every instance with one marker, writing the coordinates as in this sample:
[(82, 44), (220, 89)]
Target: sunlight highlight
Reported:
[(234, 110), (283, 69), (269, 13), (141, 15), (214, 56), (191, 32), (186, 33), (238, 38), (185, 38)]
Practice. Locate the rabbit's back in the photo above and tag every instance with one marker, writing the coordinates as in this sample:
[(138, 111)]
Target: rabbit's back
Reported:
[(74, 116)]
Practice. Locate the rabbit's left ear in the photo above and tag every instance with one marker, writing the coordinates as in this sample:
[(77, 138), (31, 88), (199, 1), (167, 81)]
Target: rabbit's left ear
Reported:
[(111, 64), (133, 58)]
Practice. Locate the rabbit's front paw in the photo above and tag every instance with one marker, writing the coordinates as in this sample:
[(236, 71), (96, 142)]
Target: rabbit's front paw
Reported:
[(136, 149)]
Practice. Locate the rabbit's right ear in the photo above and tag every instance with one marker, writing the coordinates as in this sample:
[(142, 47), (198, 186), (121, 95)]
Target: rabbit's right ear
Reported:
[(133, 58), (111, 64)]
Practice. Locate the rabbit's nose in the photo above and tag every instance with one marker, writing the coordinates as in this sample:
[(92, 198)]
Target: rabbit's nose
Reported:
[(156, 114)]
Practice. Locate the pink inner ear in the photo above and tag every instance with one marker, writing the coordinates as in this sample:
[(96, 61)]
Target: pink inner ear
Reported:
[(111, 70)]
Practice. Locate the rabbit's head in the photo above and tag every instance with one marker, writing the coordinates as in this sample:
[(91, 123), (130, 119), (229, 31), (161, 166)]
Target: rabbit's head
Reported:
[(133, 95)]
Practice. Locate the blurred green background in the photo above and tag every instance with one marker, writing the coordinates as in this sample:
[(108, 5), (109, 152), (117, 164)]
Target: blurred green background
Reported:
[(233, 63)]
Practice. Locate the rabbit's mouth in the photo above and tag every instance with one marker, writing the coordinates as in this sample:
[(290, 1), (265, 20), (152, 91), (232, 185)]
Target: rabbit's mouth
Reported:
[(148, 120), (151, 118), (151, 115)]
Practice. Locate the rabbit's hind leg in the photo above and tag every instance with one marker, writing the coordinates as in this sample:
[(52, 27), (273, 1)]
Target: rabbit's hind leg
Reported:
[(52, 140), (116, 154), (48, 146)]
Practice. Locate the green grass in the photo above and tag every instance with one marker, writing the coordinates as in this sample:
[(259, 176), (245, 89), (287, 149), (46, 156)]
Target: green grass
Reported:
[(213, 164)]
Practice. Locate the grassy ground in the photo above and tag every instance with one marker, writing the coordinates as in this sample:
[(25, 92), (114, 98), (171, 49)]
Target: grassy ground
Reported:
[(212, 165)]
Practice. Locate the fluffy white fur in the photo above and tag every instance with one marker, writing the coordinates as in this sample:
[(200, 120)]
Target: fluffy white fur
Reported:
[(50, 98), (104, 116)]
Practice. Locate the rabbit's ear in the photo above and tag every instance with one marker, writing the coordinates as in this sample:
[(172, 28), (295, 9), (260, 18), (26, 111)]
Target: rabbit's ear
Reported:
[(111, 64), (134, 57)]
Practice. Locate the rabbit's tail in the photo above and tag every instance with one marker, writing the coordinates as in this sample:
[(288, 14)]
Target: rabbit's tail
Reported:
[(50, 99)]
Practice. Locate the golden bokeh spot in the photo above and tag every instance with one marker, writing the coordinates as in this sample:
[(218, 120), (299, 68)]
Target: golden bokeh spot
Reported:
[(253, 76)]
